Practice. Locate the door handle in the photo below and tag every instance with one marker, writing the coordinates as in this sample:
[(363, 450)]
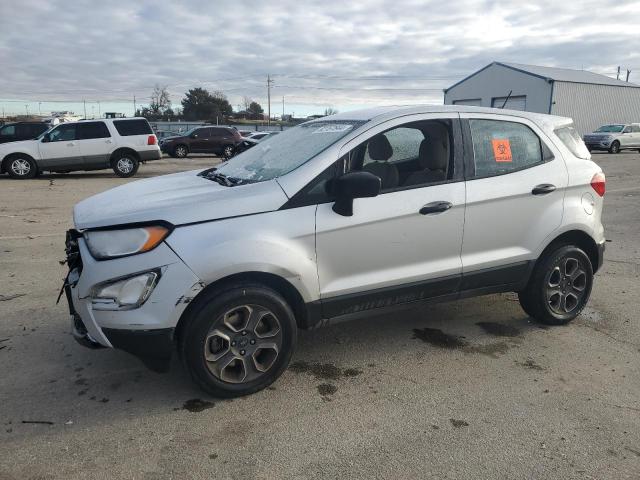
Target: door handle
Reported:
[(71, 144), (543, 189), (108, 140), (435, 207)]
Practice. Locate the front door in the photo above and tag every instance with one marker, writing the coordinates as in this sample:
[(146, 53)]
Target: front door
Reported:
[(62, 150), (515, 193), (201, 143), (403, 245), (96, 144)]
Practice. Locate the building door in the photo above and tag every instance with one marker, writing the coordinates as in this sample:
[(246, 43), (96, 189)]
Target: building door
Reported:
[(513, 103)]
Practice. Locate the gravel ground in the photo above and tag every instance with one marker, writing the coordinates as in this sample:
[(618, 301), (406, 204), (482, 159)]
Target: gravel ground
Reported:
[(466, 390)]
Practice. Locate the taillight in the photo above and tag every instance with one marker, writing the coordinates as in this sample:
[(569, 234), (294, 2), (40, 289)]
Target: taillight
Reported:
[(152, 140), (598, 183)]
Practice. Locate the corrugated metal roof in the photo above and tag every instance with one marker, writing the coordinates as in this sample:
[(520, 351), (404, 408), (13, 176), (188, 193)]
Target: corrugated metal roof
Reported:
[(568, 75)]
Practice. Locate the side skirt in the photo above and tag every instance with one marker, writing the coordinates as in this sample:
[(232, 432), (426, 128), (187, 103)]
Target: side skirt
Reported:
[(509, 278)]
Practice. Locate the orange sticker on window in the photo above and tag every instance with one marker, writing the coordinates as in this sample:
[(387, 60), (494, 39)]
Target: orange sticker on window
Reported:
[(501, 150)]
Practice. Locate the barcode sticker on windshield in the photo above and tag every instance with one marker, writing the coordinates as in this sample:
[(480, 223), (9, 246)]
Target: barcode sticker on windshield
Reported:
[(333, 128)]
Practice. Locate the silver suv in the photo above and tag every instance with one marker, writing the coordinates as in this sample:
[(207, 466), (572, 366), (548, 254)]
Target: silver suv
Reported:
[(337, 218), (614, 138), (120, 144)]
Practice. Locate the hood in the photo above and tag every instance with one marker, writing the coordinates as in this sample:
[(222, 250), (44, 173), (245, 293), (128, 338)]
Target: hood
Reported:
[(178, 199), (16, 145), (172, 137), (602, 134)]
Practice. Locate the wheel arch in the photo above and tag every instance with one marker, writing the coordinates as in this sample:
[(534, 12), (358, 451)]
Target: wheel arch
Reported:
[(7, 158), (580, 239), (281, 285), (120, 151)]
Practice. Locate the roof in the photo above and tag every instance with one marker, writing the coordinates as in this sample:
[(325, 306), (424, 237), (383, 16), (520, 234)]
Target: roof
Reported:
[(556, 74), (380, 114)]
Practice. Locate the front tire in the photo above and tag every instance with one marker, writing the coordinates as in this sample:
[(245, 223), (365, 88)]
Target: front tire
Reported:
[(239, 340), (22, 167), (181, 151), (559, 287), (615, 147), (125, 165)]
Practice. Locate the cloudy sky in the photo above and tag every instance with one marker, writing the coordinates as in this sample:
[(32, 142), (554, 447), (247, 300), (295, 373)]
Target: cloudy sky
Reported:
[(320, 53)]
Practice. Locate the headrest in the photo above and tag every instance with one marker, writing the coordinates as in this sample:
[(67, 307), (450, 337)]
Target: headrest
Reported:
[(433, 154), (380, 148)]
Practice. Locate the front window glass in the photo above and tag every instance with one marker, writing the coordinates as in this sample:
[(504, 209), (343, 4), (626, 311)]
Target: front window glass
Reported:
[(610, 129), (278, 155), (8, 131), (63, 133)]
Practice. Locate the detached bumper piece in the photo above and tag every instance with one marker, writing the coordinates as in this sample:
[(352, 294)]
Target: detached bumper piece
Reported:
[(79, 332), (152, 347)]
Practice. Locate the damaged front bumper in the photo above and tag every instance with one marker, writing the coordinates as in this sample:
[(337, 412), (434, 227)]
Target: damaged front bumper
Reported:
[(145, 331)]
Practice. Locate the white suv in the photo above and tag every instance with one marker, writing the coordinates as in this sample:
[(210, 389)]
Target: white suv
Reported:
[(340, 217), (120, 144)]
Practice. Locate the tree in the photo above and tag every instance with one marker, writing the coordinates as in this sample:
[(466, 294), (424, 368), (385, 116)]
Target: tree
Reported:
[(160, 100), (199, 104), (330, 111), (255, 109)]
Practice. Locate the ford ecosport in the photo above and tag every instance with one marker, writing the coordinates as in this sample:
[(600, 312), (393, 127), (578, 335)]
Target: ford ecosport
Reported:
[(338, 217)]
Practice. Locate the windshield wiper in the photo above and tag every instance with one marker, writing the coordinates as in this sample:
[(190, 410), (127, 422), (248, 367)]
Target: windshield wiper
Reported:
[(220, 178)]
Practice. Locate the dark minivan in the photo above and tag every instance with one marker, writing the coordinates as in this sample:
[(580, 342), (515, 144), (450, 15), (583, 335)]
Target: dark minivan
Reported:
[(13, 132), (221, 141)]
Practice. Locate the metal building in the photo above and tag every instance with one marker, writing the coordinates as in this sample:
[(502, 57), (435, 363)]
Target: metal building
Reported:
[(589, 98)]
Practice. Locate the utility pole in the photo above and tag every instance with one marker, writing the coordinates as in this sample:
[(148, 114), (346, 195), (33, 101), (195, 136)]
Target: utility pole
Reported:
[(26, 107), (283, 107), (134, 105), (618, 75), (99, 114), (39, 110), (269, 82), (84, 106), (628, 73)]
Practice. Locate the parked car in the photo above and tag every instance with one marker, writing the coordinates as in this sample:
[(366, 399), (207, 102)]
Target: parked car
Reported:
[(345, 216), (614, 138), (245, 133), (162, 134), (220, 141), (14, 132), (120, 144), (244, 145), (261, 135)]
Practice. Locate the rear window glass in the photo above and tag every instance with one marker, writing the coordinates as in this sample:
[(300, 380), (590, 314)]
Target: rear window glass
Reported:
[(572, 141), (132, 127)]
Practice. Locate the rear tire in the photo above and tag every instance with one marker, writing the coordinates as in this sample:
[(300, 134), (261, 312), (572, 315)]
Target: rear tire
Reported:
[(228, 151), (615, 147), (125, 165), (559, 287), (21, 167), (238, 340)]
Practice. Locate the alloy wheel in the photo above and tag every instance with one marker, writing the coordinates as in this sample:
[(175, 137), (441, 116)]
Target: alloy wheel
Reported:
[(181, 152), (566, 286), (228, 151), (125, 165), (20, 167), (243, 344)]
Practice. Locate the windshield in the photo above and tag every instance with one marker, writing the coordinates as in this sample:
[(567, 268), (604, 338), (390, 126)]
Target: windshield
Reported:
[(278, 155), (39, 137), (610, 129)]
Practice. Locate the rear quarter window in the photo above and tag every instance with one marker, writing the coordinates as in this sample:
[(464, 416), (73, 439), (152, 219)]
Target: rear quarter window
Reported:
[(570, 138), (126, 128)]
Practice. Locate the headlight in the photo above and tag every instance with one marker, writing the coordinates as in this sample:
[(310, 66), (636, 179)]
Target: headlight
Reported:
[(125, 293), (105, 244)]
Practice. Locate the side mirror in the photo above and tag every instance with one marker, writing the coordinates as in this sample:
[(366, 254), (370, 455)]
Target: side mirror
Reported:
[(46, 138), (194, 135), (353, 185)]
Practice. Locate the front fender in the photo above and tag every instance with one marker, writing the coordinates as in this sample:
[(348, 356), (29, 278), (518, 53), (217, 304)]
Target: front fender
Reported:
[(280, 243)]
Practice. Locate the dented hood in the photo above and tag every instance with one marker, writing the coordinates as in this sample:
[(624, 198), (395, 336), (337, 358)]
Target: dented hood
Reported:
[(178, 198)]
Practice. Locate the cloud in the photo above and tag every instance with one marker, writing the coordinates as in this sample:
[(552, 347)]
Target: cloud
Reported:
[(319, 52)]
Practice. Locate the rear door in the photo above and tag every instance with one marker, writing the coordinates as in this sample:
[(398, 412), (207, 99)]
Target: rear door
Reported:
[(515, 184), (96, 144), (63, 150)]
